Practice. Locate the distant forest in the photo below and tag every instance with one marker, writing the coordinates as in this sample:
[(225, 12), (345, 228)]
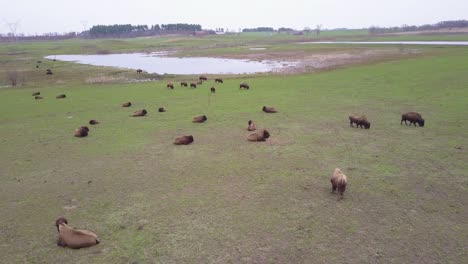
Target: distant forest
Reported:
[(405, 28), (128, 30)]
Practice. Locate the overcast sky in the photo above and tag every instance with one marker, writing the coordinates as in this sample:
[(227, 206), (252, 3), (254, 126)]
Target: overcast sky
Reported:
[(39, 16)]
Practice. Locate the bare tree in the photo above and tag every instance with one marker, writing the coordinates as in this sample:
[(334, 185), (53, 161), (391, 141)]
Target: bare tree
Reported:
[(318, 29)]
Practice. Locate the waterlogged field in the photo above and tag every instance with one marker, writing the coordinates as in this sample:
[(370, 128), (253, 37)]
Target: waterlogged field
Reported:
[(223, 199)]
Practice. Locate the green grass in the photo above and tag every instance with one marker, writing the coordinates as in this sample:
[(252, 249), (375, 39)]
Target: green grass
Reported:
[(226, 200)]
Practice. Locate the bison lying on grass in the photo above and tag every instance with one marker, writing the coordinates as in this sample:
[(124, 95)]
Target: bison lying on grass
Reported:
[(37, 97), (36, 93), (48, 72), (360, 121), (413, 118), (267, 109), (338, 181), (138, 113), (199, 119), (81, 131), (74, 238), (93, 122), (251, 126), (261, 135), (127, 104), (60, 96), (184, 140), (161, 110)]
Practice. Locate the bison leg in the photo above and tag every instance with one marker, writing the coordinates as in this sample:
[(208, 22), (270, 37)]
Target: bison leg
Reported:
[(350, 123)]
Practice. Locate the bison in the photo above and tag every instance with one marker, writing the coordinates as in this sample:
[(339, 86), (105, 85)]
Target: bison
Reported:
[(244, 86), (60, 96), (199, 119), (218, 80), (267, 109), (194, 85), (360, 121), (74, 238), (93, 122), (338, 181), (183, 84), (127, 104), (202, 78), (161, 110), (81, 131), (139, 71), (261, 135), (48, 72), (38, 97), (200, 82), (213, 90), (170, 85), (252, 126), (413, 118), (184, 140), (138, 113), (36, 93)]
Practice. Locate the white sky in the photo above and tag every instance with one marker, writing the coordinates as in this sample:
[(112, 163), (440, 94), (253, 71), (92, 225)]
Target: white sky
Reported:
[(39, 16)]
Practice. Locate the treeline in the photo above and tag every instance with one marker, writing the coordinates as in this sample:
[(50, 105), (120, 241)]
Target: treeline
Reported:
[(406, 28), (128, 30), (259, 29)]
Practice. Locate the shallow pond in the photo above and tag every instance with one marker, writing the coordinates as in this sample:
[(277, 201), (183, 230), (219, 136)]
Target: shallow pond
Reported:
[(438, 43), (159, 63)]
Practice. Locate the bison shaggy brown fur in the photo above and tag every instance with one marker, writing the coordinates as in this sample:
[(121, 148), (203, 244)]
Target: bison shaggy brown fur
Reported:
[(219, 80), (413, 118), (252, 126), (194, 85), (267, 109), (138, 113), (244, 86), (161, 110), (183, 84), (127, 104), (202, 78), (60, 96), (184, 140), (261, 135), (360, 121), (213, 90), (339, 181), (81, 131), (170, 85), (199, 119), (93, 122), (74, 238)]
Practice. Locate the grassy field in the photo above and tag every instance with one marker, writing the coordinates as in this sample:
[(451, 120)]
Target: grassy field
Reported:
[(224, 199)]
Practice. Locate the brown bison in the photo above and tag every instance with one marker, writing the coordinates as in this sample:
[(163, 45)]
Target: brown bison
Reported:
[(161, 110), (138, 113), (127, 104), (48, 72), (338, 181), (218, 80), (200, 82), (60, 96), (184, 140), (261, 135), (36, 93), (194, 85), (93, 122), (413, 118), (199, 119), (81, 131), (170, 85), (139, 71), (252, 126), (183, 84), (202, 78), (360, 121), (213, 90), (74, 238), (37, 97), (244, 86), (267, 109)]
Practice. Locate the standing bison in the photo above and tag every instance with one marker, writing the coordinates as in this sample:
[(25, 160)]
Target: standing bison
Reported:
[(193, 85), (218, 80), (360, 121), (170, 85), (202, 78), (183, 84), (339, 181), (413, 118), (244, 86), (213, 90), (139, 71)]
